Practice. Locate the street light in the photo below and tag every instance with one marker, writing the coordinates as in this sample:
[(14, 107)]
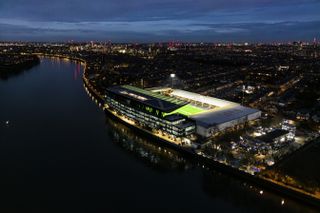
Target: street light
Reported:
[(172, 76)]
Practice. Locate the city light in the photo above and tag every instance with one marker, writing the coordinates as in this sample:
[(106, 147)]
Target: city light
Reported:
[(201, 112)]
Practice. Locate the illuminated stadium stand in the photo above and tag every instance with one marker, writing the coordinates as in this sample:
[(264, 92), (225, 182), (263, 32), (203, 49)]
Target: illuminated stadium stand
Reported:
[(224, 114), (177, 112), (194, 97), (150, 110)]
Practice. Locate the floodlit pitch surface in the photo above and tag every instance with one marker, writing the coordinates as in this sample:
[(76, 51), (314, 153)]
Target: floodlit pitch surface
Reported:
[(188, 110)]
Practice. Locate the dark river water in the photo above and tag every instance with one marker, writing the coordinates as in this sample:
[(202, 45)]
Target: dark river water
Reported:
[(61, 153)]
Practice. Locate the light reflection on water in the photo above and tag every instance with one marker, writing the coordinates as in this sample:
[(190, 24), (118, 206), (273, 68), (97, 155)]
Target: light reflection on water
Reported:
[(155, 155), (61, 149), (214, 183)]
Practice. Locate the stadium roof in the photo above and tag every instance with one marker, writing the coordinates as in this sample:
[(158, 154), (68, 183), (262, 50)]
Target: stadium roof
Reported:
[(203, 99), (152, 99), (216, 117)]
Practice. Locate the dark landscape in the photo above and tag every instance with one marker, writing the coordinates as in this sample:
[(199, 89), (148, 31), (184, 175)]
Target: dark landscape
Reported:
[(160, 106)]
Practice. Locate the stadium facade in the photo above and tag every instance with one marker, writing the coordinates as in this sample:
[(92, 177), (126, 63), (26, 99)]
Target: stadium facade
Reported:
[(178, 114)]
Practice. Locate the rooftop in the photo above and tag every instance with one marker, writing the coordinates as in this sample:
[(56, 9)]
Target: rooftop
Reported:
[(222, 115), (152, 99), (202, 99), (270, 136), (186, 103)]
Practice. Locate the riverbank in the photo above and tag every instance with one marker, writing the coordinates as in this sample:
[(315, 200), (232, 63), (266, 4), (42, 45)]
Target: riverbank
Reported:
[(12, 64), (268, 184)]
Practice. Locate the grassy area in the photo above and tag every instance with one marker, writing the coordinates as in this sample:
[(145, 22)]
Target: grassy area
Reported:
[(188, 110)]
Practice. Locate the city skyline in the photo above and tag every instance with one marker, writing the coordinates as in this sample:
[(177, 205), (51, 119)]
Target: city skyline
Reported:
[(157, 21)]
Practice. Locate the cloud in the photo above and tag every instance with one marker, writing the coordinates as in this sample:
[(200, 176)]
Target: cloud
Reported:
[(254, 32), (133, 10), (158, 19)]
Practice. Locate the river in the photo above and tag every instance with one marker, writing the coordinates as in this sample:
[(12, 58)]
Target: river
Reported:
[(59, 152)]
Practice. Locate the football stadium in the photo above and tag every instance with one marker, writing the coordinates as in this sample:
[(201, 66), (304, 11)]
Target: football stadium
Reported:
[(177, 113)]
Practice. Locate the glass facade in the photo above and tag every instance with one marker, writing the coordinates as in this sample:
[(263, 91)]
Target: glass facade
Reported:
[(150, 117)]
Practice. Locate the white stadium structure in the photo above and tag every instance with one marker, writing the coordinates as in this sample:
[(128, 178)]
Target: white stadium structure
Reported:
[(214, 114)]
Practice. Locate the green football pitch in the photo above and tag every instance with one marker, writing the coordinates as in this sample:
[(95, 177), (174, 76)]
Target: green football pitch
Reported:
[(188, 110)]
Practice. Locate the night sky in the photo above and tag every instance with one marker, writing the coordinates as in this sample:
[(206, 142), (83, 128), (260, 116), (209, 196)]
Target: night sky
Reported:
[(160, 20)]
